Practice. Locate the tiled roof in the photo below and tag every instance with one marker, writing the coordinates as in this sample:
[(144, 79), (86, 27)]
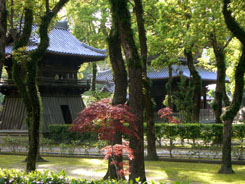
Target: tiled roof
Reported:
[(62, 42), (206, 75), (108, 87), (104, 76), (160, 73)]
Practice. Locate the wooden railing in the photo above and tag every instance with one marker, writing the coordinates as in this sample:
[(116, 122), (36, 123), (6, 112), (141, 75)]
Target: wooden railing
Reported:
[(47, 80)]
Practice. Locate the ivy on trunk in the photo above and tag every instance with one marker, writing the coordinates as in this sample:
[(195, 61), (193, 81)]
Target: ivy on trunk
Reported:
[(121, 13), (25, 70)]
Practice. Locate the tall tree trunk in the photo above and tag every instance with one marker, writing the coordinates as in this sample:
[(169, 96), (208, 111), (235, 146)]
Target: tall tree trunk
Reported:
[(226, 166), (19, 73), (169, 85), (220, 92), (148, 105), (25, 77), (120, 11), (94, 71), (220, 85), (195, 79), (3, 29), (32, 84), (120, 92), (232, 110)]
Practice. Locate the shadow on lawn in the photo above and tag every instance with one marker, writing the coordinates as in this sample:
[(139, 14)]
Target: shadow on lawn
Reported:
[(82, 168)]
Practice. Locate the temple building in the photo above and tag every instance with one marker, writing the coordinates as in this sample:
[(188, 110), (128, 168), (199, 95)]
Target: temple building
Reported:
[(159, 78), (59, 86)]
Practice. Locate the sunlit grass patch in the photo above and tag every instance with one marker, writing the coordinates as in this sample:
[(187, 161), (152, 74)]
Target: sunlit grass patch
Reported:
[(197, 172)]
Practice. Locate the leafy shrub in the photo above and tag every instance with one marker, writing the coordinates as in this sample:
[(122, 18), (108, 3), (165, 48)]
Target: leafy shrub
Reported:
[(170, 132), (239, 133), (193, 132), (217, 131), (60, 133), (14, 176)]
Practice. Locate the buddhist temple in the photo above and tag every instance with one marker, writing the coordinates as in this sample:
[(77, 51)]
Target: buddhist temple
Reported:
[(59, 86)]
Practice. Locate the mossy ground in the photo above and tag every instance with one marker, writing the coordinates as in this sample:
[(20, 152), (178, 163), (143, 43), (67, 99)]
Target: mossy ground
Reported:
[(155, 170)]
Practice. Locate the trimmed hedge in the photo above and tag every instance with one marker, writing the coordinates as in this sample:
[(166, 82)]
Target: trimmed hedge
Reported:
[(192, 131), (196, 131), (60, 134)]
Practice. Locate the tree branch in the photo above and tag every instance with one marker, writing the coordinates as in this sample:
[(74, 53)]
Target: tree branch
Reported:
[(233, 26), (47, 6), (227, 42), (58, 6)]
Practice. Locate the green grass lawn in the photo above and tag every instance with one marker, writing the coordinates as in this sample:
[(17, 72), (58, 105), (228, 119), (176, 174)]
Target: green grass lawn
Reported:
[(155, 170)]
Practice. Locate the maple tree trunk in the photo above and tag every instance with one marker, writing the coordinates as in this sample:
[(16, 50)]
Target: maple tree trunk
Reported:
[(3, 29), (120, 92), (120, 11), (197, 85), (148, 105), (234, 107)]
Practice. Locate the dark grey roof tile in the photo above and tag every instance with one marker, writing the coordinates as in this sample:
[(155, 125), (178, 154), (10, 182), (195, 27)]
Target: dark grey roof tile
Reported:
[(64, 43), (155, 74)]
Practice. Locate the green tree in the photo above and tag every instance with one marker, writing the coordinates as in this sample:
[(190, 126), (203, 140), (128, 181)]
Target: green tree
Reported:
[(177, 35), (217, 36), (120, 12), (183, 99), (89, 21), (233, 25), (25, 68), (148, 105)]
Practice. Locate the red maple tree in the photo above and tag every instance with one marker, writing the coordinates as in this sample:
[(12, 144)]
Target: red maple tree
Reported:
[(104, 119), (167, 113)]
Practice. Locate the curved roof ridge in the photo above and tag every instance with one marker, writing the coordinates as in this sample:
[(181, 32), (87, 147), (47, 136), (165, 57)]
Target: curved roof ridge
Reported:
[(101, 51), (62, 42)]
